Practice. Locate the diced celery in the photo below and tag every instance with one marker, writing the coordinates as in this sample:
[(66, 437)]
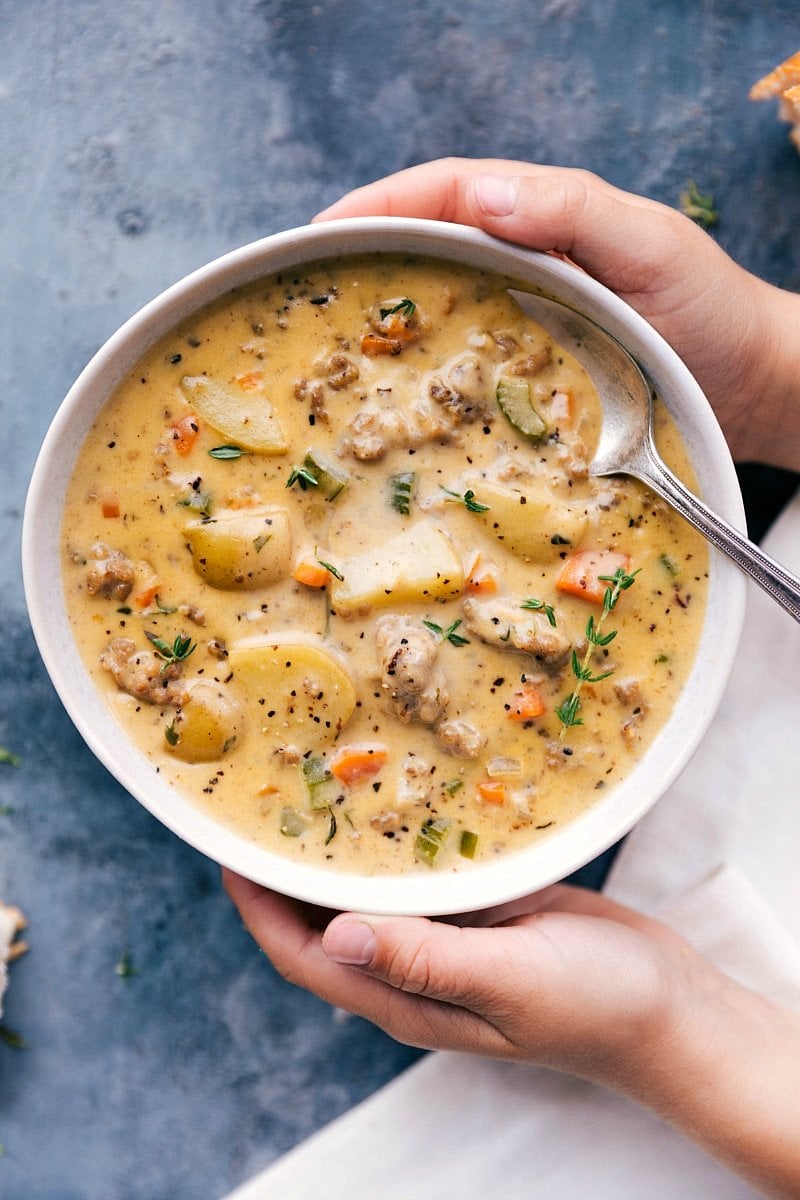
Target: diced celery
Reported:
[(292, 823), (331, 478), (468, 844), (431, 838), (401, 488), (320, 784), (514, 398)]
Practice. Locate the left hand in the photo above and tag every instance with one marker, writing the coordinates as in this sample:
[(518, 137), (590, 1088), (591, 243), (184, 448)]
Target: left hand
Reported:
[(565, 978)]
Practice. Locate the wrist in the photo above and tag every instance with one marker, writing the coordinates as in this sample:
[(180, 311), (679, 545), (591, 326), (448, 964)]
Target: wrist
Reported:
[(722, 1069), (767, 428)]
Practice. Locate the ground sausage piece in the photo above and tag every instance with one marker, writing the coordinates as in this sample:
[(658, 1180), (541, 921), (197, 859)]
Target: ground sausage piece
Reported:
[(463, 392), (341, 372), (410, 675), (507, 624), (629, 691), (460, 738), (534, 363), (111, 574), (141, 673)]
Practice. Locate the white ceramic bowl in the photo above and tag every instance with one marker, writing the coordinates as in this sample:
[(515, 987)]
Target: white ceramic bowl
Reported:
[(428, 892)]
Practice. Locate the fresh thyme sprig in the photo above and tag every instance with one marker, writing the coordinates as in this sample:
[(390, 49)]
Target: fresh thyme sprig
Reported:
[(335, 572), (540, 606), (620, 581), (449, 634), (406, 307), (303, 476), (567, 711), (179, 651), (468, 500)]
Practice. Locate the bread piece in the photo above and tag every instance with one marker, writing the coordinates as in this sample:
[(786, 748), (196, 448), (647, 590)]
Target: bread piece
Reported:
[(12, 922), (783, 82)]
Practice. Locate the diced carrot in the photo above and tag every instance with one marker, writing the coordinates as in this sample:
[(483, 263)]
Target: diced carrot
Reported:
[(362, 760), (268, 789), (526, 704), (311, 573), (109, 503), (396, 327), (480, 578), (184, 434), (581, 573), (250, 380), (492, 792), (562, 408), (373, 345), (146, 595)]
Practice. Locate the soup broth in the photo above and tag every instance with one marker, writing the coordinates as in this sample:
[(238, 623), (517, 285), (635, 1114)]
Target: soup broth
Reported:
[(333, 557)]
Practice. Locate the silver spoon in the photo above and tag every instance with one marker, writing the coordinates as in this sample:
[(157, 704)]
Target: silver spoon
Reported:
[(627, 446)]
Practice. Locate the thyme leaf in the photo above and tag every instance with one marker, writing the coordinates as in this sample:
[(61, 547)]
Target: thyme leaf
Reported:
[(303, 476), (567, 711), (594, 635), (620, 582), (449, 634), (406, 307), (225, 452), (335, 572), (179, 651), (468, 500), (584, 672), (536, 605)]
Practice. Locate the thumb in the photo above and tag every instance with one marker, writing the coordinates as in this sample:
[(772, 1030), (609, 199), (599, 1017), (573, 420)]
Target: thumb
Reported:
[(440, 961), (622, 240)]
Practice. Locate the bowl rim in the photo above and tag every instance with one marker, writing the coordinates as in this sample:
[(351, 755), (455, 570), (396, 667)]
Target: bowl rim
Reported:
[(433, 893)]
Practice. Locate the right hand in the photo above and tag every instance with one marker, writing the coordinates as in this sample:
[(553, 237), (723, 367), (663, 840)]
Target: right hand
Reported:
[(732, 329)]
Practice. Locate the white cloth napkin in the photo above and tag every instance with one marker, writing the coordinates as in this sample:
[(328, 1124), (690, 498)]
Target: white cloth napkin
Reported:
[(717, 859)]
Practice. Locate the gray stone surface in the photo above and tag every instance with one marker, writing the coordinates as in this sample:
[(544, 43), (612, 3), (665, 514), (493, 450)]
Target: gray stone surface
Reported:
[(136, 142)]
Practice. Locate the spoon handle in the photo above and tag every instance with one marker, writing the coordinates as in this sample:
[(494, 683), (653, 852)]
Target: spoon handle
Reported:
[(768, 574)]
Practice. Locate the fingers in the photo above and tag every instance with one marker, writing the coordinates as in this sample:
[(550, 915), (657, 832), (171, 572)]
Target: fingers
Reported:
[(294, 947), (547, 208), (475, 969)]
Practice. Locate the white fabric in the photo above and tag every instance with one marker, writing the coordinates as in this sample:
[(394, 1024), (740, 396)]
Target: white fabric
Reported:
[(717, 858)]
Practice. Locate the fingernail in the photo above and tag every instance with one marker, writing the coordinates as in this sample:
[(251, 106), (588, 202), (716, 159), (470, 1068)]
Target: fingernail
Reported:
[(496, 194), (350, 942)]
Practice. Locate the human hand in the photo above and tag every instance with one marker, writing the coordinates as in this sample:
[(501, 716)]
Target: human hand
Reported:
[(572, 981), (565, 978), (734, 331)]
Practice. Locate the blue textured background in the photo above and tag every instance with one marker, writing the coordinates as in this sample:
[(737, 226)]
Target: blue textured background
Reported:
[(136, 142)]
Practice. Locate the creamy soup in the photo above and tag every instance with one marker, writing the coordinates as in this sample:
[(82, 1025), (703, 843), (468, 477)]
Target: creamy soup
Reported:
[(333, 556)]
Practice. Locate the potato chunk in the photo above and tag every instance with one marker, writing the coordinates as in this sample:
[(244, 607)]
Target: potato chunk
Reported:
[(242, 549), (301, 691), (208, 725), (244, 417), (531, 525), (417, 565)]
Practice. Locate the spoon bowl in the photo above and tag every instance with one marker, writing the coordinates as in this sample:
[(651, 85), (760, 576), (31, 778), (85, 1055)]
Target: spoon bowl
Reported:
[(627, 445)]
